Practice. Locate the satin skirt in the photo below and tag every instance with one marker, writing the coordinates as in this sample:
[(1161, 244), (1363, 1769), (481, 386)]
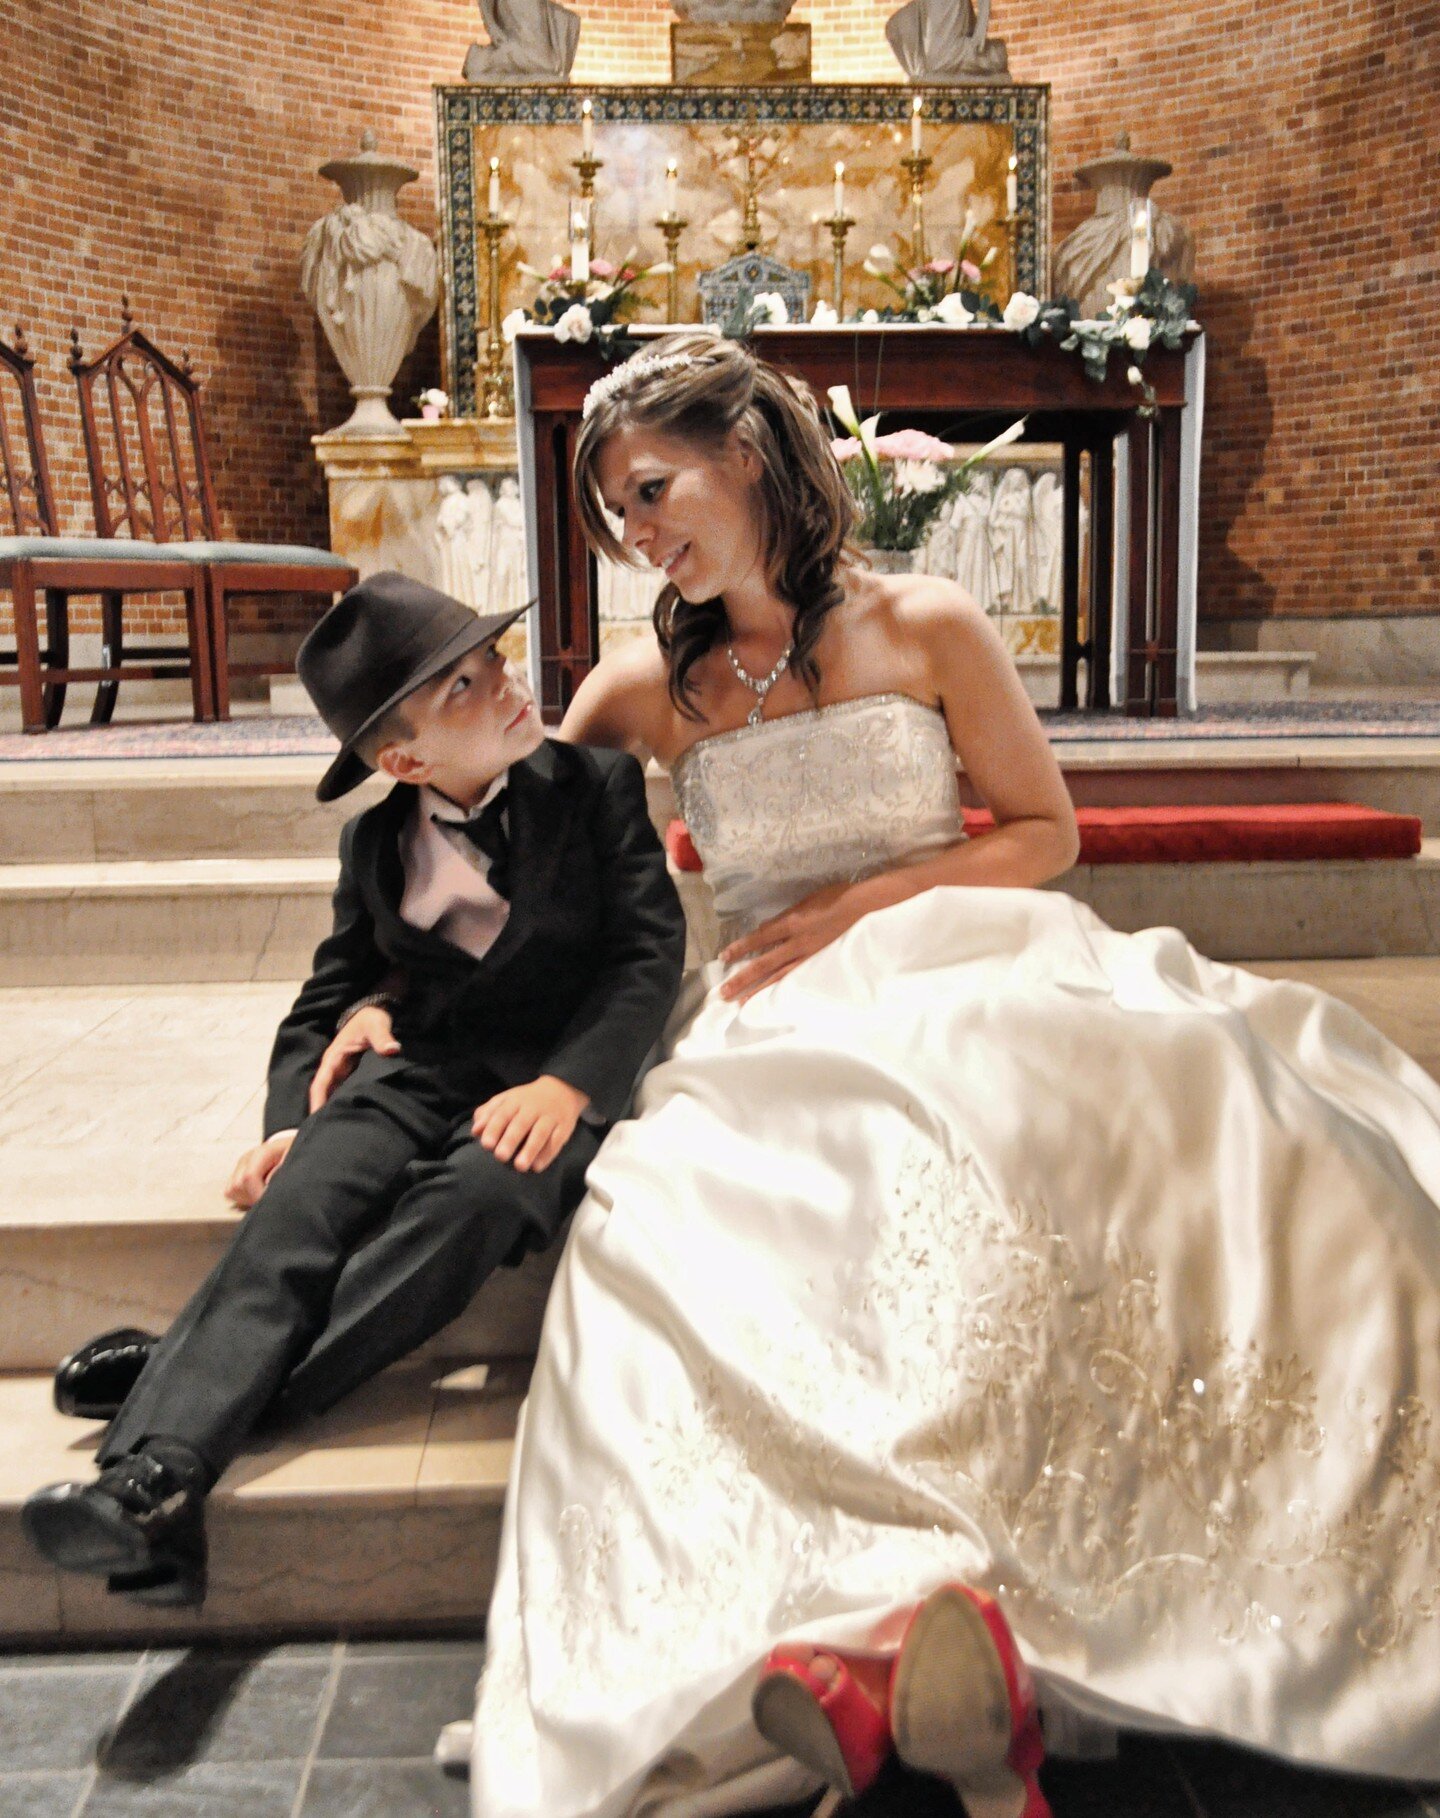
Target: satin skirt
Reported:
[(989, 1244)]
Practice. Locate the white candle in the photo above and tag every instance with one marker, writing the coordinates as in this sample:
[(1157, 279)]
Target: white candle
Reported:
[(916, 108), (587, 127), (494, 187), (672, 190), (1139, 238), (1012, 189), (579, 243), (839, 192)]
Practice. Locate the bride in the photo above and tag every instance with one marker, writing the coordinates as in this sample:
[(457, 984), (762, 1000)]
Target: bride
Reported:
[(983, 1307)]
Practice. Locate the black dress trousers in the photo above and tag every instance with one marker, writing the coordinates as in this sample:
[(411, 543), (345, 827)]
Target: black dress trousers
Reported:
[(376, 1230)]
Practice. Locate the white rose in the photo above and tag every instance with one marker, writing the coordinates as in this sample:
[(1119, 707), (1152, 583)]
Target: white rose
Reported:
[(435, 398), (575, 324), (825, 316), (1137, 333), (871, 315), (1134, 375), (878, 259), (773, 305), (952, 312), (512, 324), (918, 476), (1021, 310)]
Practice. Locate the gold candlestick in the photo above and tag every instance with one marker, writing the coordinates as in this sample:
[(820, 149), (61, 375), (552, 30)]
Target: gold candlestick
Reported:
[(839, 226), (917, 164), (750, 221), (495, 397), (587, 168), (672, 227)]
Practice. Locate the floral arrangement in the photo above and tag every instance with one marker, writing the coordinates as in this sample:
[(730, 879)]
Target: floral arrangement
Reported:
[(902, 480), (579, 309), (948, 291), (433, 403), (1146, 312)]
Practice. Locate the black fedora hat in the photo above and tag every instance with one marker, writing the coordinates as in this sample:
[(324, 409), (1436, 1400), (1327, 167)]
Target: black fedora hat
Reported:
[(377, 644)]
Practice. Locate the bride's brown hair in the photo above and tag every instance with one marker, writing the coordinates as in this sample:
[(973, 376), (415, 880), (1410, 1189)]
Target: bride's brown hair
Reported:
[(707, 388)]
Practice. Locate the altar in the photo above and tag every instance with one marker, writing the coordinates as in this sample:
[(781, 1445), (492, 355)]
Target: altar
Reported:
[(964, 384)]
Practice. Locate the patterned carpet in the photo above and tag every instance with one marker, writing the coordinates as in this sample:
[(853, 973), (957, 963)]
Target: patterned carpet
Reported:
[(266, 736)]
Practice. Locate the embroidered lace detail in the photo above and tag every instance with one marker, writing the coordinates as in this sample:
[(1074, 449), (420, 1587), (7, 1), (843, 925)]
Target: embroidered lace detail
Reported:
[(999, 1406), (780, 809)]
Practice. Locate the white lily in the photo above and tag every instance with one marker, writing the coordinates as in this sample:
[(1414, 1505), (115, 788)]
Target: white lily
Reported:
[(845, 413), (1003, 440), (825, 315)]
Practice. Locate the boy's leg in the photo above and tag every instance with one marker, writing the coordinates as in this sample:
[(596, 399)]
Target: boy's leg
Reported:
[(459, 1219), (228, 1351)]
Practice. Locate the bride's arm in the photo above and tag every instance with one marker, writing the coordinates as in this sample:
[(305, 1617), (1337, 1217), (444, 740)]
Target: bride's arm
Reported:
[(622, 703), (1004, 752)]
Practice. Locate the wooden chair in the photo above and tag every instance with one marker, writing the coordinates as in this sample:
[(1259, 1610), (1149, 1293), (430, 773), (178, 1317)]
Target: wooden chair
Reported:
[(35, 558), (149, 468)]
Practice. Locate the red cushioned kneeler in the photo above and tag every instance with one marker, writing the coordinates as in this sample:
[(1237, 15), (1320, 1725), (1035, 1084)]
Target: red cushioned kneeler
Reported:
[(1194, 835)]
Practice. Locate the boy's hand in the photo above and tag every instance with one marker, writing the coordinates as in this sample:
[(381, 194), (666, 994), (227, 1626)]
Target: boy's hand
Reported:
[(530, 1124), (368, 1028), (255, 1166)]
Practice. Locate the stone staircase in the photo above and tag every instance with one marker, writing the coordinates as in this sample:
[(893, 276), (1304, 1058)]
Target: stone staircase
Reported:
[(178, 905)]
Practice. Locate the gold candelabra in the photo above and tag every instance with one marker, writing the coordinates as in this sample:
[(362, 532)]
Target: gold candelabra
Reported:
[(587, 168), (839, 226), (494, 401), (750, 220), (672, 227), (917, 164)]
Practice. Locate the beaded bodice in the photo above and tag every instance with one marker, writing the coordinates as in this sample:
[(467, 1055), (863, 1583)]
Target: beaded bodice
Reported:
[(828, 795)]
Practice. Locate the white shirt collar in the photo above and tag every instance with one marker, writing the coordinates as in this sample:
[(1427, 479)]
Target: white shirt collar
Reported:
[(437, 807)]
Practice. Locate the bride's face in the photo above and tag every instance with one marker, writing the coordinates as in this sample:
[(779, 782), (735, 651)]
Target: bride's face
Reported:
[(688, 509)]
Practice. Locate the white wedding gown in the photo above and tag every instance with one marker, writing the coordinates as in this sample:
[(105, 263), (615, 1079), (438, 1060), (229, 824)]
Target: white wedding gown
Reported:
[(989, 1244)]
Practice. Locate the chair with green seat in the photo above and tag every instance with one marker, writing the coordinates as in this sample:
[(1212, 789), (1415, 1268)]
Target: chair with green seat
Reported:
[(149, 467), (35, 559)]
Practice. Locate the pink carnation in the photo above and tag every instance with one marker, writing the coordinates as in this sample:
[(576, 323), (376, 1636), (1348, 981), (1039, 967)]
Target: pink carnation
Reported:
[(969, 269), (601, 268), (912, 445), (940, 266), (845, 449)]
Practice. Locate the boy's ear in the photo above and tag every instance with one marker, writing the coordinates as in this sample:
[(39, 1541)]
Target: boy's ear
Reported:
[(402, 765)]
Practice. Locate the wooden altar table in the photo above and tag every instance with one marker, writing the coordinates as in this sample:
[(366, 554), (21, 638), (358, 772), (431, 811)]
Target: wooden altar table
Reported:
[(963, 384)]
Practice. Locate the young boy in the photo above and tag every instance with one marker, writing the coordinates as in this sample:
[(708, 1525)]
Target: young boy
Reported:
[(509, 900)]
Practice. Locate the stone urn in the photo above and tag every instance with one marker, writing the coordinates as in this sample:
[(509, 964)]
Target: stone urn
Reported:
[(1098, 252), (372, 279)]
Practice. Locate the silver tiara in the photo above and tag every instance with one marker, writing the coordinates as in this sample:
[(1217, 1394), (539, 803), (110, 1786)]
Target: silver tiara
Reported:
[(621, 378)]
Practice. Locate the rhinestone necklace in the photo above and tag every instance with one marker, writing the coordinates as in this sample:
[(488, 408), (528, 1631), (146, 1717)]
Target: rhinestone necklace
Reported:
[(759, 686)]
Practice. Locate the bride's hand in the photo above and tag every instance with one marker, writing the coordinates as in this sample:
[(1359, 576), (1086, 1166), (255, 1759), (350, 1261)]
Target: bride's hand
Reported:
[(780, 944)]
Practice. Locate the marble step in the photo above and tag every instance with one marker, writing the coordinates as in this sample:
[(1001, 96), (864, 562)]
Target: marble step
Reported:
[(55, 812), (382, 1515), (192, 920)]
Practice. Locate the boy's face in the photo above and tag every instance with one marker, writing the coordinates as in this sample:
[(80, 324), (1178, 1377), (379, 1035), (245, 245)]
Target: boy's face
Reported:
[(471, 722)]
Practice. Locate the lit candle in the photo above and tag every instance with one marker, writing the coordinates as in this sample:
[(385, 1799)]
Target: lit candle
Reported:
[(494, 187), (839, 192), (579, 243), (1012, 188), (917, 107), (672, 190), (1139, 237), (587, 127)]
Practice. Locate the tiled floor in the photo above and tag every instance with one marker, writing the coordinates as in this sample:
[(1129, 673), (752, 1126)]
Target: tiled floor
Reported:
[(345, 1729)]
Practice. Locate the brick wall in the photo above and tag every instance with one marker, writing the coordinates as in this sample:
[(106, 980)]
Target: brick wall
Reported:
[(170, 146)]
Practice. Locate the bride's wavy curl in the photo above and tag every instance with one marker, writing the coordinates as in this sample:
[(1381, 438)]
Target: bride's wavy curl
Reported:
[(806, 507)]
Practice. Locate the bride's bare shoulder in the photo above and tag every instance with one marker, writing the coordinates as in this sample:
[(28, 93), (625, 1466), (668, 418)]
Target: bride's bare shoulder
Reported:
[(624, 702)]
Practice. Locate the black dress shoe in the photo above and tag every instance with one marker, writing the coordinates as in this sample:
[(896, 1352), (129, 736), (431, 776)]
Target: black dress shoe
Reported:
[(92, 1382), (141, 1525)]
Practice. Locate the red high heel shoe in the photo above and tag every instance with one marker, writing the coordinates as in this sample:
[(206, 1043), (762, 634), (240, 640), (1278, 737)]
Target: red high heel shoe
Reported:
[(832, 1726), (962, 1705)]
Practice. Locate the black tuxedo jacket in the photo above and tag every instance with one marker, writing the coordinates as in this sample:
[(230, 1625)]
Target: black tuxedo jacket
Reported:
[(580, 980)]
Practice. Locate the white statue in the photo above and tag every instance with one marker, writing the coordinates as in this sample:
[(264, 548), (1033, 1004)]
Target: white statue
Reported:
[(452, 536), (507, 548), (974, 559), (1011, 541), (1047, 506), (939, 40), (1087, 261), (530, 41), (372, 279), (477, 536), (938, 549)]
